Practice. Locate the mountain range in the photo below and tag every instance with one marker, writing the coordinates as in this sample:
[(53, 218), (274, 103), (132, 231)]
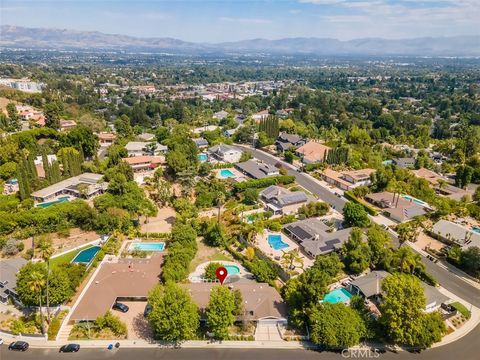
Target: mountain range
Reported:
[(64, 39)]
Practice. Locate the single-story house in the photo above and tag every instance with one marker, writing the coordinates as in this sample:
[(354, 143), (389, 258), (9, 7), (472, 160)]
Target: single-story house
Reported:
[(86, 185), (442, 185), (220, 115), (370, 287), (313, 152), (106, 139), (404, 163), (146, 162), (257, 169), (125, 279), (454, 233), (8, 279), (347, 180), (200, 142), (261, 302), (429, 175), (313, 236), (146, 137), (230, 132), (225, 153), (283, 201), (202, 129), (261, 115), (289, 141), (67, 124), (397, 207), (141, 148)]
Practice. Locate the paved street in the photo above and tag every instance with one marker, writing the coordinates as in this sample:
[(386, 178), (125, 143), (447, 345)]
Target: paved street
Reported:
[(467, 348), (445, 278)]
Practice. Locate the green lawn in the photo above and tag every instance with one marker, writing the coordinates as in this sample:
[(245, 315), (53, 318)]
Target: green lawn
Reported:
[(461, 309), (67, 257)]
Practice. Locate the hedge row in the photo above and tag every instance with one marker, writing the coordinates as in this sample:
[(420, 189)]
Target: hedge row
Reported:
[(265, 182), (369, 209)]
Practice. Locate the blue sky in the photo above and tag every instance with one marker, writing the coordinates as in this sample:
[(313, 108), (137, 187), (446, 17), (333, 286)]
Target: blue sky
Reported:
[(230, 20)]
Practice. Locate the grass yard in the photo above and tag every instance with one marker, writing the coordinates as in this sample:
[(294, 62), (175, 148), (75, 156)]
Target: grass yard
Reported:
[(461, 309), (207, 253), (67, 257)]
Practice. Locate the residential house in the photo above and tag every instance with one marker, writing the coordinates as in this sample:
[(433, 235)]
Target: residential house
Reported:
[(404, 163), (398, 207), (283, 201), (200, 142), (442, 185), (145, 162), (225, 153), (261, 115), (315, 237), (67, 124), (257, 169), (106, 139), (141, 148), (288, 141), (123, 279), (347, 180), (230, 132), (370, 287), (220, 115), (261, 302), (283, 113), (8, 279), (85, 186), (313, 152), (202, 129), (453, 233)]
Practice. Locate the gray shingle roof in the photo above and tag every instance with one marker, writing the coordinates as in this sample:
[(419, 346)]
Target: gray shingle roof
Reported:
[(456, 233), (370, 284), (256, 170), (8, 271)]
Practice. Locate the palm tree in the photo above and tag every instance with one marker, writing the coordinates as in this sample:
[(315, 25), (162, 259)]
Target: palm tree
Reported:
[(36, 284), (405, 260), (220, 201), (292, 257), (46, 251)]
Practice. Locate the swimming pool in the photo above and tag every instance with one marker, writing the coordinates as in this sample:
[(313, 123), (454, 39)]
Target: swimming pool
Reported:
[(86, 256), (232, 269), (58, 201), (227, 173), (338, 295), (202, 157), (148, 246), (416, 201), (275, 241), (476, 229)]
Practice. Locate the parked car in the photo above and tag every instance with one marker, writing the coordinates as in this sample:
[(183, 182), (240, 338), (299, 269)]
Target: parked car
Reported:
[(70, 348), (18, 346), (1, 341), (120, 307), (148, 310)]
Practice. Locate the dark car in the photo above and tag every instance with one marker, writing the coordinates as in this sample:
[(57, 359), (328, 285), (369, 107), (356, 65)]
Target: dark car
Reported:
[(120, 307), (148, 310), (18, 346), (70, 348)]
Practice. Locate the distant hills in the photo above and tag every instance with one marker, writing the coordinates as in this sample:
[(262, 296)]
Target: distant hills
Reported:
[(22, 37)]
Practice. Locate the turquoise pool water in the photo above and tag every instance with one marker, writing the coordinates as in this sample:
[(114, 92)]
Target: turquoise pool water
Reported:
[(202, 157), (476, 229), (416, 201), (226, 173), (148, 246), (58, 201), (86, 256), (337, 296), (232, 269), (275, 241)]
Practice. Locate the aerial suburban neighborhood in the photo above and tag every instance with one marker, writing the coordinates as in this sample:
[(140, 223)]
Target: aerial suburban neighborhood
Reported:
[(237, 199)]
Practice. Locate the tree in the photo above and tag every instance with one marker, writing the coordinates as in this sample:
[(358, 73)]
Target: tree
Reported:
[(215, 234), (250, 196), (263, 271), (123, 126), (52, 112), (210, 272), (83, 139), (174, 316), (35, 285), (355, 215), (220, 311), (356, 252), (14, 119), (403, 318), (314, 209), (46, 250), (290, 258), (335, 326), (470, 260), (378, 243)]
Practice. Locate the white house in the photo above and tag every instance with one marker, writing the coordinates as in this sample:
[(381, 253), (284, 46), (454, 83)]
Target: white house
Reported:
[(225, 153)]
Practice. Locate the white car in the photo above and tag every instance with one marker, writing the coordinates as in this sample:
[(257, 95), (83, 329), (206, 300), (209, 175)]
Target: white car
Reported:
[(1, 341)]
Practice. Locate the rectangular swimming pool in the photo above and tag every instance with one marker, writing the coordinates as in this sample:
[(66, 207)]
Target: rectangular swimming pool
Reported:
[(227, 173), (86, 256), (338, 295), (276, 242), (202, 157), (147, 246), (50, 203)]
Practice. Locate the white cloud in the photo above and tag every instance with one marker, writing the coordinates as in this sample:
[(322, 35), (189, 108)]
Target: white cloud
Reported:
[(246, 20)]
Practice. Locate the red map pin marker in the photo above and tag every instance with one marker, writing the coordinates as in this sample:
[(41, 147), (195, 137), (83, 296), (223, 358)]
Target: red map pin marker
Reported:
[(221, 274)]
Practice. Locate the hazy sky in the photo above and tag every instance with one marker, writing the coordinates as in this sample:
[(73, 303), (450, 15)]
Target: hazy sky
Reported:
[(225, 20)]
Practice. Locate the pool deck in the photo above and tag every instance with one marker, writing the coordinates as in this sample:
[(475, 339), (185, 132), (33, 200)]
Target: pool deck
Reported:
[(238, 176), (264, 246), (196, 276)]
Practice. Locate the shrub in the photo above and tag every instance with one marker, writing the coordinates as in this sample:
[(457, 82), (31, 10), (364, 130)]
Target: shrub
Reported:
[(265, 182), (461, 309), (210, 271)]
